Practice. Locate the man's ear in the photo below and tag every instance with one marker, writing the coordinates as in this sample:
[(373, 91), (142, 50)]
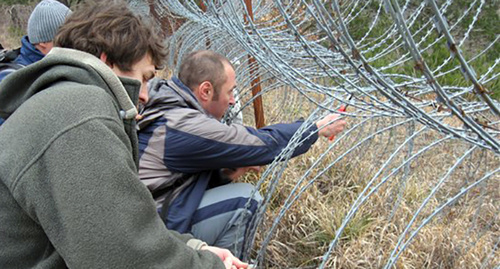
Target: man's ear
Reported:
[(44, 47), (104, 59), (205, 91)]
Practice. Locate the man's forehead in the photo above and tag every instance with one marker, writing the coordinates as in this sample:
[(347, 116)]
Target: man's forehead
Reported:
[(150, 73), (147, 68)]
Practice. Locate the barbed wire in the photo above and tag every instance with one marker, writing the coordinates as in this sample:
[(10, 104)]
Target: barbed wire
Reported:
[(417, 80)]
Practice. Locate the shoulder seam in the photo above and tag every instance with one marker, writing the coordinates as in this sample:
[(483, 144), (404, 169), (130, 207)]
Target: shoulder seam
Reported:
[(49, 143)]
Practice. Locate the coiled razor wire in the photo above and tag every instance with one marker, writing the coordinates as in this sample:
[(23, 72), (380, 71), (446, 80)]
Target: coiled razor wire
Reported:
[(414, 179)]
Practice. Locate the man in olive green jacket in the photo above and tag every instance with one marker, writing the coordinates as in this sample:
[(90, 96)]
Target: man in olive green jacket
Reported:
[(69, 190)]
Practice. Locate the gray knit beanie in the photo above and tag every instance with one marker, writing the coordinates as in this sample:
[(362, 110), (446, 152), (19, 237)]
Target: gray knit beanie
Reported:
[(45, 20)]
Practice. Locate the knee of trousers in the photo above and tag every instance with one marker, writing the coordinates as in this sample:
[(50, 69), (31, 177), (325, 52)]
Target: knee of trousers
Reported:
[(248, 190)]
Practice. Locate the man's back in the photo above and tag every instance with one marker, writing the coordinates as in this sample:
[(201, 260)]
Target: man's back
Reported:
[(40, 166), (29, 180)]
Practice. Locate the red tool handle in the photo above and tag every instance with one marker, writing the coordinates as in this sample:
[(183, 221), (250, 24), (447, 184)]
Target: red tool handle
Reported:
[(341, 109)]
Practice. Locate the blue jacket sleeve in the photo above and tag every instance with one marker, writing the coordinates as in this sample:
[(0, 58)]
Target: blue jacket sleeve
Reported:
[(211, 145)]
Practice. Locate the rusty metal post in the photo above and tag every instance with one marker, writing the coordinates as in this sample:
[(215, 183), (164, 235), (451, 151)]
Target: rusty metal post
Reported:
[(255, 84), (167, 25), (203, 8)]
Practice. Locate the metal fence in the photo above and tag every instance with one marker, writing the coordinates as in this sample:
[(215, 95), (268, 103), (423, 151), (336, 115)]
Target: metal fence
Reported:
[(421, 152)]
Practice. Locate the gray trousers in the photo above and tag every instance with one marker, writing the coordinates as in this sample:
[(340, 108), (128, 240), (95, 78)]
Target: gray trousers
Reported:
[(225, 214)]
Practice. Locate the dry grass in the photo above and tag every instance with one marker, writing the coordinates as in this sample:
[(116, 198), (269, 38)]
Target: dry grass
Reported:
[(13, 23), (463, 235)]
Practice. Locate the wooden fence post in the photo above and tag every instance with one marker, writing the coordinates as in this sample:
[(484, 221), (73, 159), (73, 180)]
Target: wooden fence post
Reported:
[(255, 84)]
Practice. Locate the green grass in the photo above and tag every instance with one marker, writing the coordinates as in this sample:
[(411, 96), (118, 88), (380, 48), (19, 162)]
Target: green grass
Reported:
[(12, 2), (484, 33)]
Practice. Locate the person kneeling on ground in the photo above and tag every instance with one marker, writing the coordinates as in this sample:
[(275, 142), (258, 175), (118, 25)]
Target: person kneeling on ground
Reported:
[(188, 156)]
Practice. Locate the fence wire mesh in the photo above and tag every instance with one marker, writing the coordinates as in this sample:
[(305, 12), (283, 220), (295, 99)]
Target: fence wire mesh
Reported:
[(414, 180)]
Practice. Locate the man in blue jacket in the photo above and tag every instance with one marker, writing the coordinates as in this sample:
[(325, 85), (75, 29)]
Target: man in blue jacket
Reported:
[(188, 157), (43, 24)]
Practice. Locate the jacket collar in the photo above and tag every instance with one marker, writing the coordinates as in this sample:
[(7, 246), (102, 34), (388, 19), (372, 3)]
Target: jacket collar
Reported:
[(186, 93), (128, 108), (165, 95), (29, 53)]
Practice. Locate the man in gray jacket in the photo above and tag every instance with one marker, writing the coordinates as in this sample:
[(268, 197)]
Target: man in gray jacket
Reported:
[(70, 195), (188, 156)]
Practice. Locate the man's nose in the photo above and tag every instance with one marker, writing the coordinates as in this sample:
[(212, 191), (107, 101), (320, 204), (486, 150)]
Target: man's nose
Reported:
[(231, 100), (143, 95)]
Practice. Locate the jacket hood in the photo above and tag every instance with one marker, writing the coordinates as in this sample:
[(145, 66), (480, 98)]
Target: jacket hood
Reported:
[(165, 95), (29, 53), (65, 65)]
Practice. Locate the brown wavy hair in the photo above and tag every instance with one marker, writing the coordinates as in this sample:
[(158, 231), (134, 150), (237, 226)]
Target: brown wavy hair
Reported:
[(110, 27)]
